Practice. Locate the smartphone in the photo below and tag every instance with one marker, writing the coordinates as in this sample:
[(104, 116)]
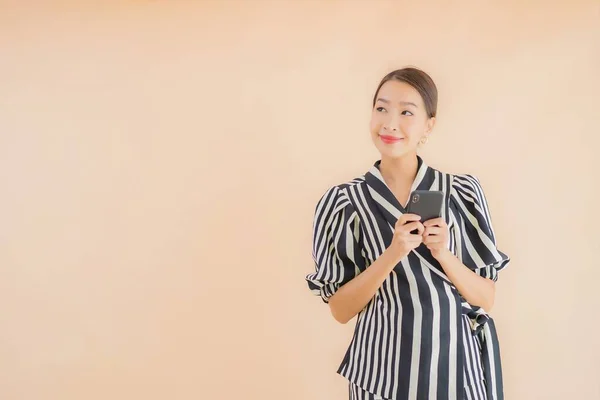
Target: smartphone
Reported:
[(426, 203)]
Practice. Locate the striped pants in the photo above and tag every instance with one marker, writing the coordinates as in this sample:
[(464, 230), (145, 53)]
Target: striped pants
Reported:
[(475, 386), (469, 393)]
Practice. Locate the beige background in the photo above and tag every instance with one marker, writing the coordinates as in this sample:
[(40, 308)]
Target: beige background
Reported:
[(160, 162)]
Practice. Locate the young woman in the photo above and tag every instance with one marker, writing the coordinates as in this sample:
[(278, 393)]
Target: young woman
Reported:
[(422, 298)]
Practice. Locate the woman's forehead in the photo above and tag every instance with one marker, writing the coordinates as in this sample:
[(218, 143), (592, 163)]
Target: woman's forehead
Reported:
[(399, 93)]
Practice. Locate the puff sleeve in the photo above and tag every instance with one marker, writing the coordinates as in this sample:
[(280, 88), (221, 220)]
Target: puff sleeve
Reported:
[(476, 242), (335, 236)]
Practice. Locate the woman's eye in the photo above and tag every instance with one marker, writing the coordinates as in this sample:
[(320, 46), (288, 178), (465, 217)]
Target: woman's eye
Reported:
[(381, 109)]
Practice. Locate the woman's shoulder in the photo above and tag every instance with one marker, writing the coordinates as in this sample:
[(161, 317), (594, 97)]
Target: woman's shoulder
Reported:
[(467, 191), (338, 197), (341, 189), (337, 193), (465, 181)]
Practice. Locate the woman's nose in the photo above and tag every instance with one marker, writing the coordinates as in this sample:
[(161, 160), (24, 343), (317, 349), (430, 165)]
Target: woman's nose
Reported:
[(391, 124)]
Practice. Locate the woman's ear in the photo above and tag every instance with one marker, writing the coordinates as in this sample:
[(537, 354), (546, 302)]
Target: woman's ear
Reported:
[(430, 125)]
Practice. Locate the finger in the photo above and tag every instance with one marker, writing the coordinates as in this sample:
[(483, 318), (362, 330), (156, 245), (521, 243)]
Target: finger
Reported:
[(415, 241), (420, 228), (432, 239), (433, 230), (410, 226), (404, 218), (435, 221)]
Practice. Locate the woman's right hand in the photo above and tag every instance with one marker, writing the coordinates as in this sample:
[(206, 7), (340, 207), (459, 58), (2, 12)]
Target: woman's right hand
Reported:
[(403, 241)]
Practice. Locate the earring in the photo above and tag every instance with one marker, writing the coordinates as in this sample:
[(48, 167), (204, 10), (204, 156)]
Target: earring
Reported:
[(424, 140)]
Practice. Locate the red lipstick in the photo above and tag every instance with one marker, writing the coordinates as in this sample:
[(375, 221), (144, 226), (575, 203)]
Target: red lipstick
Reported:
[(390, 139)]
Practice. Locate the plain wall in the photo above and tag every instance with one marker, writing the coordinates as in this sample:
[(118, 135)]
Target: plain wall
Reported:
[(160, 162)]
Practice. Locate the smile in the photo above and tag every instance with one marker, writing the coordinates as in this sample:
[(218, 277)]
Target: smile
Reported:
[(390, 139)]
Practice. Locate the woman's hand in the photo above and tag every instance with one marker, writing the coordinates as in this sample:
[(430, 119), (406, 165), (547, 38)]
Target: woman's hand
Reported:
[(404, 241), (435, 237)]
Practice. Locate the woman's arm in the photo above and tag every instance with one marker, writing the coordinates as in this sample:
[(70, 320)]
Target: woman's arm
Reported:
[(352, 297), (477, 290)]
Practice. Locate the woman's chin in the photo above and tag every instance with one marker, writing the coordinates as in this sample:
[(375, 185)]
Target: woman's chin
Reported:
[(393, 152)]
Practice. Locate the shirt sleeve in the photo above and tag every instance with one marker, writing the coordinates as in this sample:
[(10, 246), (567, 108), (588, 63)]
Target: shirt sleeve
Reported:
[(337, 256), (477, 248)]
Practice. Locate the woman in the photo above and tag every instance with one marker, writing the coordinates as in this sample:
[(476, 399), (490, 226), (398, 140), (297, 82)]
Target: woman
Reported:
[(422, 298)]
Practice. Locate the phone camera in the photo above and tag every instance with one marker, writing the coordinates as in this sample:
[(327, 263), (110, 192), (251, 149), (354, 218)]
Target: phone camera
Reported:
[(415, 198)]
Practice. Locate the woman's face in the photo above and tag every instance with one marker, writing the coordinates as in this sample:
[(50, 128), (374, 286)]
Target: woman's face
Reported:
[(399, 112)]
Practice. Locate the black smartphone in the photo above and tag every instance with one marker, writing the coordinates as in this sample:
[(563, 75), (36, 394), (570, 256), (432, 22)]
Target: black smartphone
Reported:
[(426, 203)]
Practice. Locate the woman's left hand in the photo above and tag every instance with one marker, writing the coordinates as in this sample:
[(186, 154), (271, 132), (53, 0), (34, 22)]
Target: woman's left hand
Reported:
[(435, 236)]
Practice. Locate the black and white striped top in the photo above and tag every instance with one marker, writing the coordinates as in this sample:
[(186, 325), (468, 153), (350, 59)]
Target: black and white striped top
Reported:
[(418, 338)]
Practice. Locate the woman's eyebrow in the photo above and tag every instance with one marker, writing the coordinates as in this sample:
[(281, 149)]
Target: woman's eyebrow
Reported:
[(402, 103)]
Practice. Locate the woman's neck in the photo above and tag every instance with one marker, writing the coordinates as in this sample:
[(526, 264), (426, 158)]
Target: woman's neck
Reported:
[(399, 173)]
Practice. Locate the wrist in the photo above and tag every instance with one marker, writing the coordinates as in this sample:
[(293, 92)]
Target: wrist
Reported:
[(442, 255), (395, 254)]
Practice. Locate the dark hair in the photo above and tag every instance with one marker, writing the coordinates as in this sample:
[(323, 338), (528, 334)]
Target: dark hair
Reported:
[(420, 81)]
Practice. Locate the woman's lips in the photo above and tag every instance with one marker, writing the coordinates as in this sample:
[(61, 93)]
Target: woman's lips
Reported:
[(390, 139)]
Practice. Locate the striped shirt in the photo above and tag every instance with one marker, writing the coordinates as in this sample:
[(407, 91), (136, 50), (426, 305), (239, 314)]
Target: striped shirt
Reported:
[(417, 338)]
